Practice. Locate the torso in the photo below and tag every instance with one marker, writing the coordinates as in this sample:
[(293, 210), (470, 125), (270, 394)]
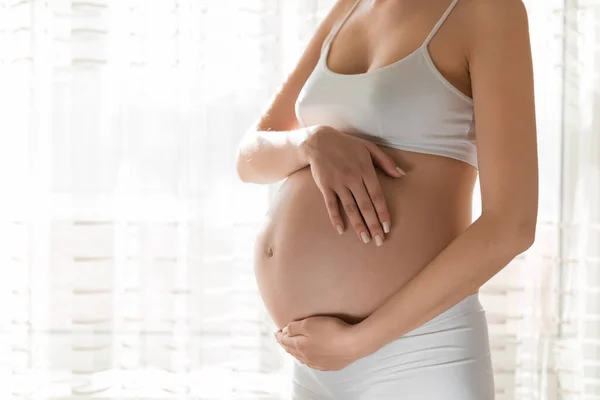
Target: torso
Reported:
[(303, 267), (372, 39)]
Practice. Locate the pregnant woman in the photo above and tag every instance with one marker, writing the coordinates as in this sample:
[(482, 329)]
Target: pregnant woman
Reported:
[(368, 261)]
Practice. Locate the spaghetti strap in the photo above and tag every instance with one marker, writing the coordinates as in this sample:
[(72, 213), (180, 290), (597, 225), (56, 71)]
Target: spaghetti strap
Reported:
[(335, 31), (440, 22)]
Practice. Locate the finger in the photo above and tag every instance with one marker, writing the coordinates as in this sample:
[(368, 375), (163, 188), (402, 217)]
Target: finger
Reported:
[(333, 209), (377, 198), (296, 353), (354, 217), (290, 342), (385, 162), (367, 210), (292, 353), (278, 337), (293, 329)]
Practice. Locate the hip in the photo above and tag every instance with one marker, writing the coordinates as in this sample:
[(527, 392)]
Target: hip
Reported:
[(445, 358)]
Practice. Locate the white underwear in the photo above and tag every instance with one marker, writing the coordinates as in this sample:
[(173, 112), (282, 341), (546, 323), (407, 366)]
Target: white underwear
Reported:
[(447, 358)]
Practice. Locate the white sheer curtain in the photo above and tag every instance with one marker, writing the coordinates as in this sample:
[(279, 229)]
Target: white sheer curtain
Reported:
[(126, 240)]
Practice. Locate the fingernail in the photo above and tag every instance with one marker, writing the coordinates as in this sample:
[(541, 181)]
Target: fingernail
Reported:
[(400, 170), (365, 238), (340, 229), (386, 226), (378, 240)]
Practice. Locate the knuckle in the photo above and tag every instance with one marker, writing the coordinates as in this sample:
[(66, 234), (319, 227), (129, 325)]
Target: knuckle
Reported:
[(366, 206), (365, 156), (350, 207), (347, 171), (331, 203), (377, 197), (352, 176)]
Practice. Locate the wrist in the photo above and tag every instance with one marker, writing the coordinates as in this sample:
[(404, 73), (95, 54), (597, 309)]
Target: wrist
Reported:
[(307, 146), (366, 338)]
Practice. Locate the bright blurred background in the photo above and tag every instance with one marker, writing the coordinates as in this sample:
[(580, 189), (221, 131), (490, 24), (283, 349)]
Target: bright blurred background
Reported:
[(126, 239)]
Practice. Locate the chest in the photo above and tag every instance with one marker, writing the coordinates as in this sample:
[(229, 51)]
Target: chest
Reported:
[(376, 37)]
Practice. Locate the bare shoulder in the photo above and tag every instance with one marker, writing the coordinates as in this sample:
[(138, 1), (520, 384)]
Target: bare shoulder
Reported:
[(344, 4), (495, 28), (489, 10), (493, 17), (339, 9)]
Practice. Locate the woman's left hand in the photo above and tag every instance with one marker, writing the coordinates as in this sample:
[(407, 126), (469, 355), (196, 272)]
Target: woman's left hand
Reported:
[(322, 343)]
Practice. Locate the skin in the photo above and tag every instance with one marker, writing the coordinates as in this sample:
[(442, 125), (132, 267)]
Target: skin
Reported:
[(276, 148), (485, 53)]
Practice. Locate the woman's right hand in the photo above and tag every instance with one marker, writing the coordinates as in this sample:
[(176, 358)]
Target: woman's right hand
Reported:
[(343, 167)]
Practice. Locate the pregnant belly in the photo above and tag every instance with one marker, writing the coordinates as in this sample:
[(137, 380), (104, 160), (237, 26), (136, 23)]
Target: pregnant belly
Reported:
[(304, 268)]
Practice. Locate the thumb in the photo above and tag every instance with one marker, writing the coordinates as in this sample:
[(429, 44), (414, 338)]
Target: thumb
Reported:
[(385, 162), (293, 328)]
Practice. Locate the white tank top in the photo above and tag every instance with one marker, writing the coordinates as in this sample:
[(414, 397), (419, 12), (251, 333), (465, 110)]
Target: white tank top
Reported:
[(407, 105)]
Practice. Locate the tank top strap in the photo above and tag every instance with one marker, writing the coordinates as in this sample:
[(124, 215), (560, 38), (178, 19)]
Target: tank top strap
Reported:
[(440, 22), (335, 31)]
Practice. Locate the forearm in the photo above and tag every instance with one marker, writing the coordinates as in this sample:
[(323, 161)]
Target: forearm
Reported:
[(270, 156), (469, 261)]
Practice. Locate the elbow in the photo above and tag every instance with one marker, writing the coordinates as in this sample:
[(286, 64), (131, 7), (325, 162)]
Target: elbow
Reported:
[(242, 159), (246, 168), (517, 234), (242, 169), (523, 233)]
